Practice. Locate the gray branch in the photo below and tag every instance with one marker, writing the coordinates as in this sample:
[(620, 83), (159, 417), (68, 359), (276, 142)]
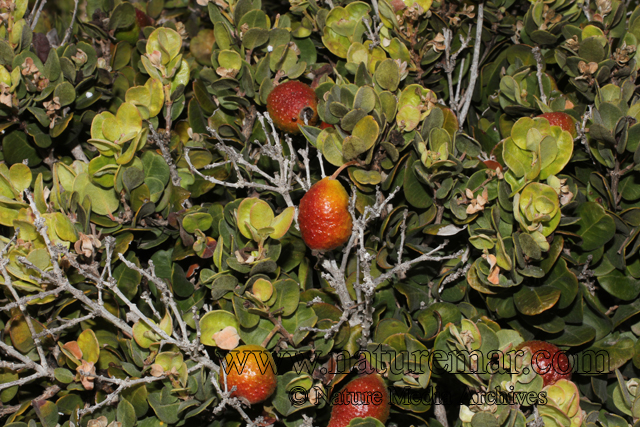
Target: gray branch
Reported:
[(539, 64), (450, 64), (281, 182), (35, 13), (475, 66), (76, 151), (67, 34)]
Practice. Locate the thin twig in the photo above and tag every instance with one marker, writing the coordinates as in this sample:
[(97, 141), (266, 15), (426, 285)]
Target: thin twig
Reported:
[(328, 333), (57, 275), (403, 230), (37, 16), (77, 152), (475, 65), (68, 324), (450, 64), (280, 182), (586, 10), (372, 34), (48, 394), (67, 34), (539, 64), (8, 282)]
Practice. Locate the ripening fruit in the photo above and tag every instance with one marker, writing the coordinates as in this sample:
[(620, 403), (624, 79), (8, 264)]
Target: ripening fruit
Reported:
[(373, 401), (290, 103), (325, 125), (324, 218), (564, 120), (548, 361), (251, 369)]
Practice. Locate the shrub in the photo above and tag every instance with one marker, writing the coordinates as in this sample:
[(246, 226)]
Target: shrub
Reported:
[(148, 206)]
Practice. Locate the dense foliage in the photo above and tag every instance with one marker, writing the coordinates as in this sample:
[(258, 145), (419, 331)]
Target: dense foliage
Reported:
[(148, 206)]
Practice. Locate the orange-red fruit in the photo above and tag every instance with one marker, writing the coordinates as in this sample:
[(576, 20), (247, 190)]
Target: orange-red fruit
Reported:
[(372, 400), (290, 103), (325, 125), (251, 369), (565, 121), (548, 361), (324, 218)]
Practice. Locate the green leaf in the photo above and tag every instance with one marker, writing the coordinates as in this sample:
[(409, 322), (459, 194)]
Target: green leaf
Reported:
[(179, 282), (103, 202), (255, 37), (365, 99), (88, 343), (16, 149), (257, 333), (575, 335), (484, 419), (365, 422), (197, 221), (47, 412), (261, 215), (262, 289), (157, 96), (129, 122), (128, 279), (414, 191), (165, 406), (126, 414), (244, 216), (304, 317), (595, 226), (365, 177), (63, 375), (437, 315), (282, 223), (367, 130), (20, 176), (618, 351), (352, 147), (215, 321), (620, 285), (532, 301), (387, 75), (8, 216), (137, 396), (66, 93), (7, 376), (132, 177), (246, 319), (181, 78), (122, 17), (565, 281), (166, 41), (287, 296)]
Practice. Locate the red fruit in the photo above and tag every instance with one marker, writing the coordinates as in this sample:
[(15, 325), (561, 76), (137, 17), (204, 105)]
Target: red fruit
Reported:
[(251, 369), (290, 103), (548, 361), (565, 121), (323, 215), (324, 125), (371, 400)]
